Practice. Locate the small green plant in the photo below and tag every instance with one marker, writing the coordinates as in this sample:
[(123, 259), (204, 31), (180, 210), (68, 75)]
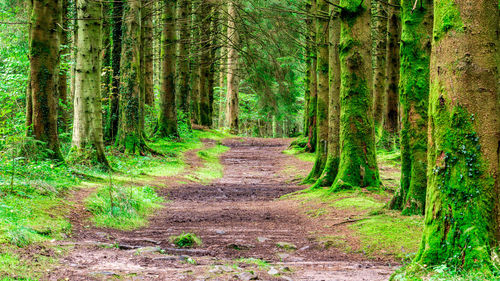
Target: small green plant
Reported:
[(186, 240), (260, 263)]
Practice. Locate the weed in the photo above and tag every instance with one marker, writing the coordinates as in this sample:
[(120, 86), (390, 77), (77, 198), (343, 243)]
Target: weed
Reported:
[(186, 240), (260, 263)]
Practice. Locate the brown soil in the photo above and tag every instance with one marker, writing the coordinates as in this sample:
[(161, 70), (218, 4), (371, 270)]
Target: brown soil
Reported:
[(237, 216)]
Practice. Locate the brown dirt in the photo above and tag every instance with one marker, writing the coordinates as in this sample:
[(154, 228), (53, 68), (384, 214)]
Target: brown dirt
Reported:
[(237, 216)]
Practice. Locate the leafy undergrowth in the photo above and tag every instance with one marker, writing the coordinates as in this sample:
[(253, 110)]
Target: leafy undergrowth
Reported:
[(123, 207), (212, 168), (418, 272), (186, 240), (33, 208)]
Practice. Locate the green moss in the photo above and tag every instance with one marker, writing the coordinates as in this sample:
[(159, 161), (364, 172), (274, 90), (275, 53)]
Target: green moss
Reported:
[(446, 18), (359, 203), (186, 240)]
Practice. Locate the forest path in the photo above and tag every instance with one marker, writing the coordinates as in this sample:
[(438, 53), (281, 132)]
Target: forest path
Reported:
[(237, 216)]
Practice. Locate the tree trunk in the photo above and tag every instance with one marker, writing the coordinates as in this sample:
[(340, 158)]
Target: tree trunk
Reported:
[(62, 85), (461, 218), (29, 99), (358, 163), (114, 100), (167, 123), (322, 34), (414, 95), (313, 84), (232, 72), (147, 51), (106, 53), (184, 47), (44, 60), (379, 33), (204, 14), (391, 114), (195, 66), (332, 163), (87, 124)]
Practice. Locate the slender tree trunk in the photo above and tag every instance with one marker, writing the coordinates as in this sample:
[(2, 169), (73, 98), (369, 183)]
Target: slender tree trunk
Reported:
[(313, 84), (358, 163), (114, 99), (62, 85), (391, 114), (147, 50), (44, 60), (167, 123), (232, 72), (379, 22), (214, 23), (461, 218), (205, 15), (106, 53), (414, 95), (322, 33), (332, 163), (87, 124), (184, 57), (29, 100), (195, 66), (307, 83), (74, 49)]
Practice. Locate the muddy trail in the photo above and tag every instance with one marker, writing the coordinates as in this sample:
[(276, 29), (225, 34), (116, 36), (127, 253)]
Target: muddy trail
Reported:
[(239, 216)]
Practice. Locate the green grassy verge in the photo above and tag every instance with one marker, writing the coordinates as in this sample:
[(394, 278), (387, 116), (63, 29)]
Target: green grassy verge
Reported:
[(212, 168), (300, 154)]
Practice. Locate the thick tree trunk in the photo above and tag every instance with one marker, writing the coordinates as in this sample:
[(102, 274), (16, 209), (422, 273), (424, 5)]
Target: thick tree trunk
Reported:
[(232, 72), (332, 163), (147, 51), (461, 217), (184, 57), (379, 33), (205, 15), (87, 124), (313, 84), (414, 93), (391, 113), (114, 99), (322, 34), (358, 163), (167, 122), (44, 60)]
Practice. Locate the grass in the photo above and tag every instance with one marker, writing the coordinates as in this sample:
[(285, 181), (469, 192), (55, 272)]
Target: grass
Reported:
[(360, 203), (14, 266), (123, 208), (300, 154), (186, 240), (212, 168), (253, 261), (439, 273)]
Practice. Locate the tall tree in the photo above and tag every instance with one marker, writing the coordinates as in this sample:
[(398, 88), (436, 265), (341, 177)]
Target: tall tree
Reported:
[(232, 71), (414, 94), (87, 122), (332, 163), (391, 111), (167, 122), (29, 99), (358, 163), (147, 51), (195, 66), (461, 218), (379, 33), (312, 79), (62, 84), (44, 60), (205, 16), (322, 33), (114, 99), (184, 47)]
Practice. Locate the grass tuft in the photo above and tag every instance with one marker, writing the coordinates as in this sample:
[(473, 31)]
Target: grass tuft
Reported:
[(186, 240)]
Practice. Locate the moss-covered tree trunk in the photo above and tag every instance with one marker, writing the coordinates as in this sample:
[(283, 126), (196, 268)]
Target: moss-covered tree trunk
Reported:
[(414, 93), (147, 51), (87, 122), (114, 99), (461, 218), (322, 35), (205, 16), (391, 111), (233, 82), (130, 137), (184, 47), (214, 29), (379, 39), (313, 82), (167, 122), (358, 163), (332, 163), (44, 60)]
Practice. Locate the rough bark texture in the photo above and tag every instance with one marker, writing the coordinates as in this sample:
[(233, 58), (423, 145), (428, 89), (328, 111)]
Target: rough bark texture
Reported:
[(130, 133), (114, 99), (313, 84), (232, 71), (184, 46), (414, 93), (322, 34), (379, 35), (195, 66), (332, 163), (87, 122), (167, 122), (205, 16), (358, 164), (464, 136), (391, 112), (44, 60), (147, 51)]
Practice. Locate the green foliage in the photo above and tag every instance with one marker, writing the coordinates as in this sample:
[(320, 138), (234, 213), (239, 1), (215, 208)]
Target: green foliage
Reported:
[(123, 207), (186, 240), (253, 261)]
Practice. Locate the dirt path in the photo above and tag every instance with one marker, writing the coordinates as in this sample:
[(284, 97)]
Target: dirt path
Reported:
[(236, 217)]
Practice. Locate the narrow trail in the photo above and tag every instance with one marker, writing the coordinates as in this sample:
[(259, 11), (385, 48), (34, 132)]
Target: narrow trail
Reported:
[(237, 216)]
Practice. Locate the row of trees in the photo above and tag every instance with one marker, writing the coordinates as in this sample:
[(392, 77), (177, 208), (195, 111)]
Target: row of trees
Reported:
[(437, 63)]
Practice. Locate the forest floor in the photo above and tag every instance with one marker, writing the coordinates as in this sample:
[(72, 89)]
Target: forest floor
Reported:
[(249, 229)]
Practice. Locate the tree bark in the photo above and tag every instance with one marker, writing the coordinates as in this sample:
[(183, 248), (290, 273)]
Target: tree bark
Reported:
[(147, 51), (232, 73), (461, 218), (379, 33), (313, 83), (167, 122), (62, 84), (205, 16), (414, 95), (87, 123), (44, 60), (184, 57), (358, 164), (114, 99)]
